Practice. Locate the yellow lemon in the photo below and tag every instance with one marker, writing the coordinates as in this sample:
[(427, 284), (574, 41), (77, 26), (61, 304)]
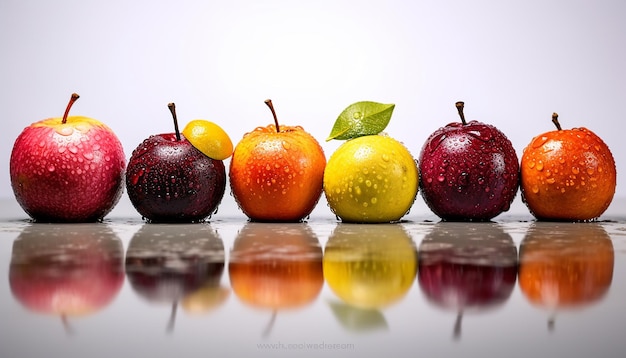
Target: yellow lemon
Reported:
[(209, 138), (372, 178)]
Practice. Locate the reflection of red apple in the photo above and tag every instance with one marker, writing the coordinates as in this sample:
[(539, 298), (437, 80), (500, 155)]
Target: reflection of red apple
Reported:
[(465, 267), (66, 269), (276, 266), (565, 266), (167, 262)]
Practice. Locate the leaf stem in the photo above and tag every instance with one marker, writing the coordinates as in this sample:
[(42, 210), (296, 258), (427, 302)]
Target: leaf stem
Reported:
[(172, 108), (73, 99), (269, 104)]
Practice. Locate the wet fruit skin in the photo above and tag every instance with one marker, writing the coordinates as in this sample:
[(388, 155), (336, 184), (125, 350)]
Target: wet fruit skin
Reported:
[(67, 172), (567, 175), (468, 172), (168, 180), (371, 179), (277, 176)]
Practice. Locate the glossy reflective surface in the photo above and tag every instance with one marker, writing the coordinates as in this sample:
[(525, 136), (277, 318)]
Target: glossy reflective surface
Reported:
[(510, 288)]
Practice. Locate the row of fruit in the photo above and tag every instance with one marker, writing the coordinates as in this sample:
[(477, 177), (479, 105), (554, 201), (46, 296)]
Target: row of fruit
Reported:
[(272, 267), (465, 171)]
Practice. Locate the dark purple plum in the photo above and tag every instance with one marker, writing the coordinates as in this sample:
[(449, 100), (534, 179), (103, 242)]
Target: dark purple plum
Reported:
[(169, 180), (469, 171)]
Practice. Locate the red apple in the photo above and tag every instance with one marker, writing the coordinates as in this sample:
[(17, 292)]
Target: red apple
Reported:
[(167, 262), (67, 169), (276, 173), (467, 268), (66, 269), (170, 180), (468, 171)]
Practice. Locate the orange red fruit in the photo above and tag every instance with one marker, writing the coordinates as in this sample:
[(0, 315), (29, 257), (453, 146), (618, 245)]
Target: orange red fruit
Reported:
[(276, 173), (567, 175)]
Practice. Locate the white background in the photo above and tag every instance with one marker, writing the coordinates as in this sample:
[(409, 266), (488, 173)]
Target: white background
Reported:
[(512, 62)]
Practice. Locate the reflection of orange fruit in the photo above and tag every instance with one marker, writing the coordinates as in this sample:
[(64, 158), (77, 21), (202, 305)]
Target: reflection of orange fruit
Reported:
[(567, 175), (276, 173), (565, 265), (276, 265)]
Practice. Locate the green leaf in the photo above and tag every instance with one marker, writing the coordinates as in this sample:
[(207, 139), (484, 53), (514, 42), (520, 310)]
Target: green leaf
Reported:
[(360, 119), (357, 319)]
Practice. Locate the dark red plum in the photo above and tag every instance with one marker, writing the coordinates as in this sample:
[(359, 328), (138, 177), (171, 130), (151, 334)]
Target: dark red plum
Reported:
[(469, 171), (169, 180)]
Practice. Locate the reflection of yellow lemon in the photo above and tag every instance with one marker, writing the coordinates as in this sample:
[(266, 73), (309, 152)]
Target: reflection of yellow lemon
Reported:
[(372, 178), (370, 266), (205, 299), (209, 138)]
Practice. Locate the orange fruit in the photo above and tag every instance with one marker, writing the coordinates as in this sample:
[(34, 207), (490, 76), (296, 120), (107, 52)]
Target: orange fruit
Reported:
[(277, 175), (569, 266), (567, 175)]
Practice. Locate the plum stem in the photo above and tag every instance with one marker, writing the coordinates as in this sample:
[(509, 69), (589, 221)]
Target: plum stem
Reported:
[(73, 99), (172, 108), (457, 325), (459, 107), (172, 321), (269, 104), (555, 120)]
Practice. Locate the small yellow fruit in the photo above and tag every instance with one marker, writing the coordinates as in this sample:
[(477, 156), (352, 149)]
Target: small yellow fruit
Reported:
[(372, 178), (209, 138)]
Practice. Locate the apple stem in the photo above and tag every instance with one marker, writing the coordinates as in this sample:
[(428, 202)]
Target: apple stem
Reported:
[(269, 104), (555, 120), (270, 324), (73, 99), (459, 107), (172, 108), (66, 324)]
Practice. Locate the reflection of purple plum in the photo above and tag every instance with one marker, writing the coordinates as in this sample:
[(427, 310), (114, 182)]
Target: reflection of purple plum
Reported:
[(165, 263), (465, 266)]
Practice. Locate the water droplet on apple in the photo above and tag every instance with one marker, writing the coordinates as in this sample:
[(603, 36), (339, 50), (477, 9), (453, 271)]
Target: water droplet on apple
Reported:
[(357, 115), (539, 141), (535, 189), (286, 145), (73, 149), (550, 180), (51, 168), (575, 170), (539, 166), (385, 157), (374, 200), (441, 178)]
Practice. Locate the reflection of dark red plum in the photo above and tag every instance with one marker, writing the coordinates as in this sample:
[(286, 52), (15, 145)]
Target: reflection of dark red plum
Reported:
[(66, 269), (465, 267), (165, 263), (276, 266), (565, 266)]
